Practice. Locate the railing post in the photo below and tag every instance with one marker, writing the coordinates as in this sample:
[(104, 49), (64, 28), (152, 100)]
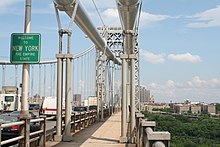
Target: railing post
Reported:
[(80, 121), (25, 131), (91, 117), (145, 124), (94, 116), (87, 119), (42, 140), (139, 117), (83, 120), (74, 122), (0, 134)]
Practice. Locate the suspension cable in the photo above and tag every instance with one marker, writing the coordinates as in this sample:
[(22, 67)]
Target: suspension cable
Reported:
[(16, 75), (32, 80), (81, 82), (39, 81), (77, 76), (54, 76), (98, 12), (44, 80), (73, 78), (3, 75), (51, 80)]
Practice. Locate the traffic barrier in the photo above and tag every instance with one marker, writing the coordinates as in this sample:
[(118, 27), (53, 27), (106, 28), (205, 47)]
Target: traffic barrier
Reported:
[(79, 121)]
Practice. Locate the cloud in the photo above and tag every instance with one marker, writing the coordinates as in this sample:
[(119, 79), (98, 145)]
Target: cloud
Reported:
[(107, 10), (208, 18), (145, 16), (111, 17), (99, 3), (160, 58), (196, 89), (109, 14), (152, 58), (148, 20), (5, 4), (167, 90), (187, 57), (170, 83), (196, 82)]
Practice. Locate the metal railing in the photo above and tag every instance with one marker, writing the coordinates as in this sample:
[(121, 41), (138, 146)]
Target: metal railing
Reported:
[(2, 126), (23, 137), (82, 120), (79, 121)]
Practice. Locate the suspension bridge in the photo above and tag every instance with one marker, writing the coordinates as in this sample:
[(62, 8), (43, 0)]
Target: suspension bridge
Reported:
[(108, 70)]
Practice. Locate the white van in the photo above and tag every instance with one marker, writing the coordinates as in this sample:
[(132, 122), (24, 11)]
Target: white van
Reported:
[(10, 102), (49, 106)]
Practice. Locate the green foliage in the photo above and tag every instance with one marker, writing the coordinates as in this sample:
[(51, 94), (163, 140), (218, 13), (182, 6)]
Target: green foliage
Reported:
[(217, 107), (170, 110), (188, 132)]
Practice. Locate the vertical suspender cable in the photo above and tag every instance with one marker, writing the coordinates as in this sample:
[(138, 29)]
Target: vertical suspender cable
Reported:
[(54, 79), (40, 80), (88, 74), (73, 75), (94, 72), (3, 75), (50, 79), (44, 80), (32, 80), (84, 74), (85, 79), (77, 76), (16, 75), (81, 81)]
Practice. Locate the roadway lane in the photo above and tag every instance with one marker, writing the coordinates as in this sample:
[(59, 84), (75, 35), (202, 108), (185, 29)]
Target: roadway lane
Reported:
[(50, 123)]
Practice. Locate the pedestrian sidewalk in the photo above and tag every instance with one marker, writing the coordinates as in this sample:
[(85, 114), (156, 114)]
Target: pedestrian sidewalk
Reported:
[(100, 134)]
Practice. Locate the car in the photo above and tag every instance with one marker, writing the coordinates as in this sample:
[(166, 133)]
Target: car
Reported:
[(80, 109), (13, 131), (93, 107), (34, 106)]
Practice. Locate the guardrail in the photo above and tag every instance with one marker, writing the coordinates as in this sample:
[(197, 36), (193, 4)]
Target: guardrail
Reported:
[(82, 120), (10, 125), (23, 137), (79, 121)]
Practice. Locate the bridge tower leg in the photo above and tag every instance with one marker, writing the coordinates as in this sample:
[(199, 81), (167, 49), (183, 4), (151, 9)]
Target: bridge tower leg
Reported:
[(123, 137), (68, 56), (100, 81)]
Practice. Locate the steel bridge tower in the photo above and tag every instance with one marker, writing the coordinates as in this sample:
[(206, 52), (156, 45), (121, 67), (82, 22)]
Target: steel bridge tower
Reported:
[(115, 41)]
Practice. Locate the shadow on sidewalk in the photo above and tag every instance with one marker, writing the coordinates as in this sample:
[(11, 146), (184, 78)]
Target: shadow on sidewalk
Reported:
[(105, 139), (81, 136)]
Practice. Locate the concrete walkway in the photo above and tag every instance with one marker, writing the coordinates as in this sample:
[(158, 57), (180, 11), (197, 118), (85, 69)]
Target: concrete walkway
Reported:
[(100, 134)]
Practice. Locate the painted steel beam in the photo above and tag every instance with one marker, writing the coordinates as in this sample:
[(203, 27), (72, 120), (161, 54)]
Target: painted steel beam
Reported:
[(128, 10)]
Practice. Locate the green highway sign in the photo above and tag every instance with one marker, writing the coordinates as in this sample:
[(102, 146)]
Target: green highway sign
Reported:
[(25, 48)]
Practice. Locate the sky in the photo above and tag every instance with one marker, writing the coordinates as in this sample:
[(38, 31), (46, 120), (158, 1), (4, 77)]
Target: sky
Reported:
[(178, 41)]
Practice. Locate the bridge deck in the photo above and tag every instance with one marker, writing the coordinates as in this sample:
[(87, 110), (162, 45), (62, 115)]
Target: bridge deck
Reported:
[(98, 135)]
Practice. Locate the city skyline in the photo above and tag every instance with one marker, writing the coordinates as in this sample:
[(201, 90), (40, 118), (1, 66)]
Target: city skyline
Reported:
[(178, 42)]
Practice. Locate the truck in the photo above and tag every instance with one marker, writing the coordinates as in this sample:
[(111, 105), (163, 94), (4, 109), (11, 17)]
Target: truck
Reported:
[(92, 103), (92, 100), (49, 106), (10, 100)]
